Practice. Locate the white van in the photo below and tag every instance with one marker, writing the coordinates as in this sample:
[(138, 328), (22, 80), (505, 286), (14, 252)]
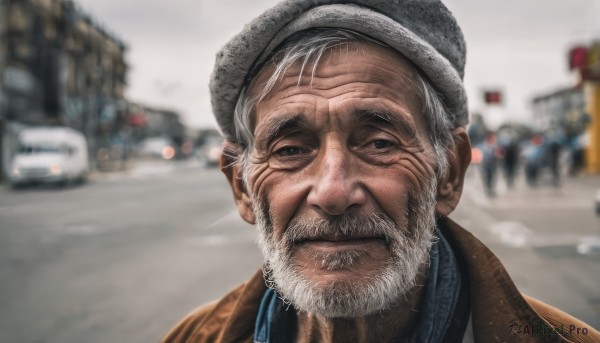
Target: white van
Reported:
[(50, 155)]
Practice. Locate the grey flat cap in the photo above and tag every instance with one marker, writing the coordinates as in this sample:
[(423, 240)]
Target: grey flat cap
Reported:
[(422, 30)]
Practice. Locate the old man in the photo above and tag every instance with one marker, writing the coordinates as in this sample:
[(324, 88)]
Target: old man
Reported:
[(346, 146)]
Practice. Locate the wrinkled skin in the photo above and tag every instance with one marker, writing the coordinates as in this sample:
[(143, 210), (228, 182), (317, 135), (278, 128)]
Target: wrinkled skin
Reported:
[(350, 138)]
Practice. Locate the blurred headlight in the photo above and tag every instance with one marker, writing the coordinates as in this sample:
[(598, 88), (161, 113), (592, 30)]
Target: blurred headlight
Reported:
[(16, 171), (168, 152), (55, 169)]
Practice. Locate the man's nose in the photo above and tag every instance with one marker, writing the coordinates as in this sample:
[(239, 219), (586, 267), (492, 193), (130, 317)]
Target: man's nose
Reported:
[(336, 188)]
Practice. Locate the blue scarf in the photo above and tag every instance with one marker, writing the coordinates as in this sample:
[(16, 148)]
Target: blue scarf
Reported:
[(445, 308), (444, 311)]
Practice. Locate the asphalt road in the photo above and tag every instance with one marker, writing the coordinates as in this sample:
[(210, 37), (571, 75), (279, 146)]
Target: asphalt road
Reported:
[(125, 256)]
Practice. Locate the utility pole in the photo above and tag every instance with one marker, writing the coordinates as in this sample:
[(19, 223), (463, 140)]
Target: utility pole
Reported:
[(591, 82), (586, 61)]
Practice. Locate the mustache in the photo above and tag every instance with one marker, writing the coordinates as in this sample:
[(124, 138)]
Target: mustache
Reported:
[(351, 225)]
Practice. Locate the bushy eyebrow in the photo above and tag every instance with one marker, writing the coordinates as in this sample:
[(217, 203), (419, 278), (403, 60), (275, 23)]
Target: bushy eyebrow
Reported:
[(277, 125), (396, 121)]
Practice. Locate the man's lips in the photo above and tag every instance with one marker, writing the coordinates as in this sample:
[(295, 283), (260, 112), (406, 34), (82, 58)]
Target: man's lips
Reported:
[(332, 247), (339, 242)]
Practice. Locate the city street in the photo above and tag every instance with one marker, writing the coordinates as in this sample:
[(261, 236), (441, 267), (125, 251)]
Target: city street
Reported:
[(125, 256)]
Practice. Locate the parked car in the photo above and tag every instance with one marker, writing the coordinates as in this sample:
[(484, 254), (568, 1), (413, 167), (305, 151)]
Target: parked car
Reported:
[(49, 155)]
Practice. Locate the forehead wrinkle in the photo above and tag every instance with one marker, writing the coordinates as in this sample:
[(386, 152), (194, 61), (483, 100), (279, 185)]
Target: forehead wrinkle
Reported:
[(367, 67), (399, 81), (397, 73), (346, 91), (329, 79)]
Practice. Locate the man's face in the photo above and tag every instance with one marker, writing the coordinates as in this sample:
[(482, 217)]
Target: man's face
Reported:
[(342, 178)]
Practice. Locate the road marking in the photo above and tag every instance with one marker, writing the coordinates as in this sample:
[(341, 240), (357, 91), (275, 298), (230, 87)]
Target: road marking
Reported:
[(231, 216), (517, 235), (219, 240), (210, 240), (513, 234)]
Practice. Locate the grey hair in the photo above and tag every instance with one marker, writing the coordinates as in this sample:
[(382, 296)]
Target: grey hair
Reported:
[(308, 48)]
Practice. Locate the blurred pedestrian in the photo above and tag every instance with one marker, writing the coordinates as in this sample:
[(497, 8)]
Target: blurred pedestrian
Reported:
[(510, 157), (511, 162), (554, 140), (477, 129), (489, 165)]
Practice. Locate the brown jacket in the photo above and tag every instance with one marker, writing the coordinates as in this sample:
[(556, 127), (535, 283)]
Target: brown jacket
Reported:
[(500, 313)]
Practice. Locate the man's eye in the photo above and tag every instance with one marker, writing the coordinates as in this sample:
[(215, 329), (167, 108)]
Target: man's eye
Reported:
[(289, 151), (382, 144)]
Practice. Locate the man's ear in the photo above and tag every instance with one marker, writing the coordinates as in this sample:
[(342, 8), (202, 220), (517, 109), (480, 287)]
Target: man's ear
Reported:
[(232, 170), (450, 187)]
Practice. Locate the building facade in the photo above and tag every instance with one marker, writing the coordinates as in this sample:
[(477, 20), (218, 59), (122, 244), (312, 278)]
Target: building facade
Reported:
[(576, 110), (58, 67)]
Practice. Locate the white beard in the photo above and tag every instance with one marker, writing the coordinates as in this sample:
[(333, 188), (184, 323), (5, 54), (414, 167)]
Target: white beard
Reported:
[(409, 250)]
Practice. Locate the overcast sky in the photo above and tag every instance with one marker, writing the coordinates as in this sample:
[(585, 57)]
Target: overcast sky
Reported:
[(519, 46)]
